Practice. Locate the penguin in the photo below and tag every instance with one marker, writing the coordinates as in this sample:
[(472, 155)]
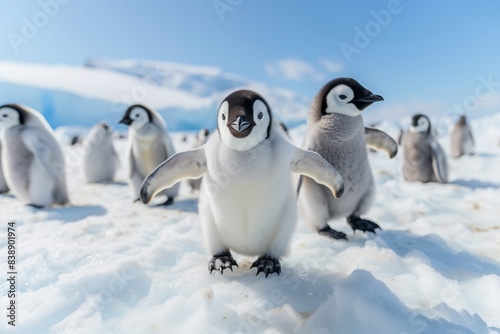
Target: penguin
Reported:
[(247, 199), (100, 160), (4, 188), (32, 159), (149, 144), (283, 127), (201, 139), (462, 141), (335, 130), (424, 159)]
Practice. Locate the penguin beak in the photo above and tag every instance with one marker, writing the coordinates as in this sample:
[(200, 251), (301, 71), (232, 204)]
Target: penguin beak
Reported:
[(367, 100), (240, 124), (371, 98), (125, 120)]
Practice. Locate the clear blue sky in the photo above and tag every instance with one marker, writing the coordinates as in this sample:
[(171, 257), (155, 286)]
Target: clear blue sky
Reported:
[(428, 51)]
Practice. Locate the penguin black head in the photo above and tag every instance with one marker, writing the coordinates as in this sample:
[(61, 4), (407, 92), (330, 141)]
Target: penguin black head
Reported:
[(420, 123), (137, 115), (462, 120), (345, 96), (244, 120), (203, 134), (12, 115)]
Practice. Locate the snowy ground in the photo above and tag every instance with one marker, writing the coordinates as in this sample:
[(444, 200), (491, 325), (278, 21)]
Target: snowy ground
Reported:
[(106, 265)]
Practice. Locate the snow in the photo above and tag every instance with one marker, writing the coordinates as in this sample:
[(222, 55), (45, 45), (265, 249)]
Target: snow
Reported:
[(107, 265)]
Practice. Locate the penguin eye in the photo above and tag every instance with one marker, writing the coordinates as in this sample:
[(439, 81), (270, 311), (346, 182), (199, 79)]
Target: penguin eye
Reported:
[(342, 97), (260, 115), (136, 115), (5, 115), (223, 117)]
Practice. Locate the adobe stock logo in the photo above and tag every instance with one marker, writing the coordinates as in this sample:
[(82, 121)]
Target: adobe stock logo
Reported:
[(32, 25), (373, 28), (223, 6)]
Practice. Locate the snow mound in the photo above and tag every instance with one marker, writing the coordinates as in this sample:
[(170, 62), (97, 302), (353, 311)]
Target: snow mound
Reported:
[(187, 96)]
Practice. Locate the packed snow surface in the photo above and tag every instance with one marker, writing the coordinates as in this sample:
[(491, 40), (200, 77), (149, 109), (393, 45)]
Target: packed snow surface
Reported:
[(107, 265)]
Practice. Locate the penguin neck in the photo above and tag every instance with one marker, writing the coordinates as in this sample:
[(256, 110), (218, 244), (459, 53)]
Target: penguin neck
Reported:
[(148, 132), (13, 130), (246, 167), (420, 137), (339, 127)]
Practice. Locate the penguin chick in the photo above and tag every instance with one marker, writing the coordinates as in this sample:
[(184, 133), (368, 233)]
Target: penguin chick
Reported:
[(424, 159), (337, 132), (149, 144), (32, 159), (462, 141), (100, 161), (247, 201)]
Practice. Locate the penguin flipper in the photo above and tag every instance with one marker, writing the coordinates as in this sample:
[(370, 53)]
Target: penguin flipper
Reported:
[(191, 164), (313, 165), (439, 163), (380, 141), (42, 152), (310, 147)]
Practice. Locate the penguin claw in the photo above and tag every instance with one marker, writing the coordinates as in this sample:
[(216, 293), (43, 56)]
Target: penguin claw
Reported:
[(364, 225), (331, 233), (267, 264), (225, 261)]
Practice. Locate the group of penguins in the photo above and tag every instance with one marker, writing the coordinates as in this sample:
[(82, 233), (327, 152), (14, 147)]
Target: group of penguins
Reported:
[(248, 197)]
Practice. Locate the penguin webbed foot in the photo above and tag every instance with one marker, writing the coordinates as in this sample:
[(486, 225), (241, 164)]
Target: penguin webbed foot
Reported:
[(267, 264), (364, 225), (331, 233), (221, 261)]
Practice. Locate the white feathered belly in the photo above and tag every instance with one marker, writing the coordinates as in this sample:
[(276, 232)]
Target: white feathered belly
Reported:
[(468, 146), (249, 219)]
